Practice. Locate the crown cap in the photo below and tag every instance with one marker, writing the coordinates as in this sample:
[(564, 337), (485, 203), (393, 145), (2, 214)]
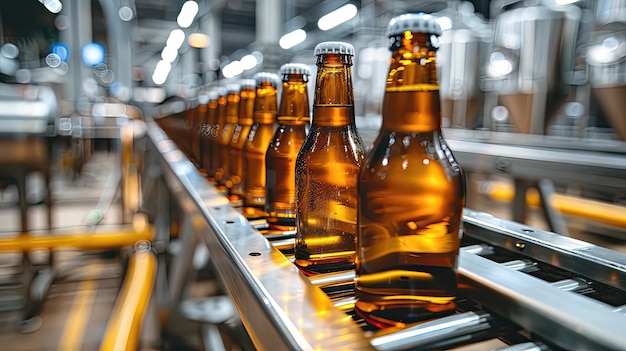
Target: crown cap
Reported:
[(296, 68), (334, 47), (413, 22)]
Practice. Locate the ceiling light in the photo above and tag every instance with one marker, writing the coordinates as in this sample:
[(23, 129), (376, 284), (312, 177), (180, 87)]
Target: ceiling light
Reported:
[(198, 40), (176, 39), (169, 54), (161, 71), (292, 39), (248, 62), (232, 69), (337, 17), (187, 14), (565, 2), (53, 6), (444, 22)]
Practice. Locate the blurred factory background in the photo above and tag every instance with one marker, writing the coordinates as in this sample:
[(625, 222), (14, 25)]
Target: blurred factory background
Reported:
[(533, 103)]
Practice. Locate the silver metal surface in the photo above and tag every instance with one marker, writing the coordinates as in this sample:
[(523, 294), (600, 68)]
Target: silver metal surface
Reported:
[(595, 170), (424, 333), (569, 320), (576, 256), (278, 305)]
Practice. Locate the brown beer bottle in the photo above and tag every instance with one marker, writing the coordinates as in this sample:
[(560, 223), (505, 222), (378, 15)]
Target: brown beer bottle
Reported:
[(411, 191), (208, 132), (240, 135), (327, 168), (293, 117), (216, 131), (198, 123), (265, 106), (226, 132)]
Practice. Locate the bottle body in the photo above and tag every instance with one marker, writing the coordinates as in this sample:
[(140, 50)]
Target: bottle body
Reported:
[(411, 197), (208, 133), (327, 169), (198, 140), (226, 133), (240, 136), (293, 118), (281, 172), (255, 148), (254, 164), (214, 136)]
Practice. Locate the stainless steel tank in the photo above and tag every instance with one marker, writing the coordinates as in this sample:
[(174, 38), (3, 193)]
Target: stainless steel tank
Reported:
[(606, 57), (532, 48), (464, 45)]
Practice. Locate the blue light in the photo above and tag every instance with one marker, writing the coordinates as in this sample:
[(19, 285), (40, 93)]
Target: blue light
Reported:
[(62, 50), (92, 54)]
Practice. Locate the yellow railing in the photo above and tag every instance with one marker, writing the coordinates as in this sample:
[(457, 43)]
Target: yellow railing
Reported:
[(102, 239), (603, 212), (122, 332)]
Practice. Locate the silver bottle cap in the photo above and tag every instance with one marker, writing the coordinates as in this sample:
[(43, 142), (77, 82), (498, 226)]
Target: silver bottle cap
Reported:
[(334, 47), (221, 91), (212, 95), (413, 22), (296, 68), (247, 83), (263, 77), (233, 88)]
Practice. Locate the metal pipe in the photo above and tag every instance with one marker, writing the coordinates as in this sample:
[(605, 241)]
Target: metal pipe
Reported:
[(122, 332)]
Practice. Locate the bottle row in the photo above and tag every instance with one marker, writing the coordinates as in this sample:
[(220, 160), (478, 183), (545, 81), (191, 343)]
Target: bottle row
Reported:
[(393, 213)]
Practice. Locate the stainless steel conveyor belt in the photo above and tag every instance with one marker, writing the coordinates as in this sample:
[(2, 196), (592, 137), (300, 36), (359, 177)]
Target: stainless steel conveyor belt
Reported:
[(283, 309)]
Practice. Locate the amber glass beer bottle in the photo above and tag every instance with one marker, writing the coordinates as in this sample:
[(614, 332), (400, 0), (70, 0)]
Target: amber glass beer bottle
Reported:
[(411, 191), (216, 130), (226, 132), (327, 168), (265, 109), (240, 135), (198, 123), (293, 117), (208, 131)]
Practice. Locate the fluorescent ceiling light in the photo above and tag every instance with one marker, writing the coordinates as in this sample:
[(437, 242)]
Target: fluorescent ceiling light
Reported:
[(444, 22), (176, 39), (187, 14), (161, 71), (232, 69), (53, 6), (292, 39), (337, 17), (169, 54), (248, 62)]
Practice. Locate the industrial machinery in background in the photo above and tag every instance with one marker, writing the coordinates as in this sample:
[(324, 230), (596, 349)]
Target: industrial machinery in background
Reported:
[(537, 94)]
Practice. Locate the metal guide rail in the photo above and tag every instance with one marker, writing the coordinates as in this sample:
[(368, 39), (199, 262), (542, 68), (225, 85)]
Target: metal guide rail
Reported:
[(530, 289), (596, 164)]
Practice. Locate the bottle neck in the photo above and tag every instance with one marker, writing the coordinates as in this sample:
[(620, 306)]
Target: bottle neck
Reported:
[(265, 104), (246, 107), (212, 112), (411, 102), (334, 97), (294, 100), (222, 101), (232, 108)]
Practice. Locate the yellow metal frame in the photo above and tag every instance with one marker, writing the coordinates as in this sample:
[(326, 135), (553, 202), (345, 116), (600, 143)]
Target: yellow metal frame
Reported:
[(80, 240), (603, 212), (122, 332)]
